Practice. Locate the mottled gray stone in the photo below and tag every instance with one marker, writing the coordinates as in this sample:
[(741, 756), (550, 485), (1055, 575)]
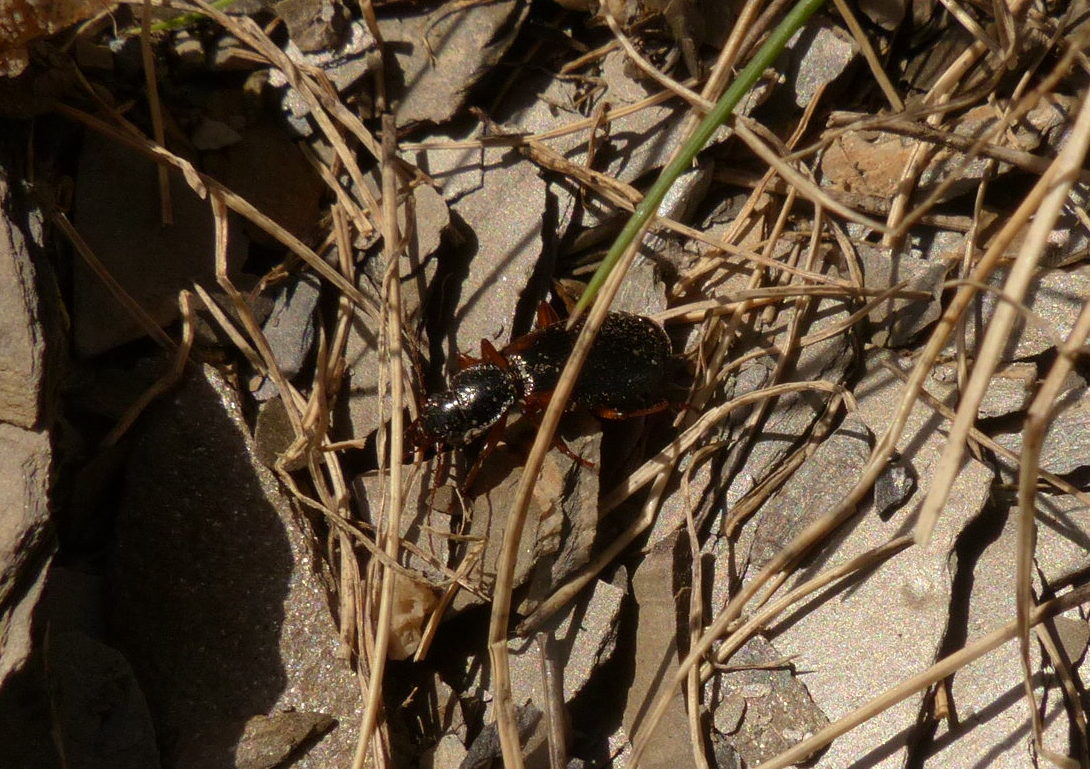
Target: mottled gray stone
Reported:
[(442, 53), (896, 321), (314, 25), (503, 252), (291, 330), (558, 533), (815, 487), (817, 55), (793, 413), (1055, 296), (872, 633), (1063, 538), (1009, 390), (581, 638), (768, 709), (1067, 442), (992, 726), (360, 412)]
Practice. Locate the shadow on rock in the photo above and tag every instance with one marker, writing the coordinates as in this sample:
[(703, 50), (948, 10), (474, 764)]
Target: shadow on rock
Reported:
[(200, 575)]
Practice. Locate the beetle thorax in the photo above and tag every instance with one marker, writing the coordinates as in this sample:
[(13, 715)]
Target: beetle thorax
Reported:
[(476, 399)]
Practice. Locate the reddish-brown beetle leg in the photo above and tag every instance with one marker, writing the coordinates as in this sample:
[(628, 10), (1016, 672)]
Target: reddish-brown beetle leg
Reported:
[(489, 354), (491, 440), (607, 413), (583, 462), (546, 315), (533, 410)]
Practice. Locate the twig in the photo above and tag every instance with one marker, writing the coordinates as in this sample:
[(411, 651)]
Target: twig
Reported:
[(1038, 419), (155, 108), (392, 288), (917, 683), (875, 65), (1053, 188)]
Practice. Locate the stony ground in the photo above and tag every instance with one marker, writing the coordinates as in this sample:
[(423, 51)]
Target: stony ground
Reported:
[(227, 241)]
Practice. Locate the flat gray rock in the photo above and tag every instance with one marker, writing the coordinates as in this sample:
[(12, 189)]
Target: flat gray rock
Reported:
[(656, 657), (291, 329), (116, 210), (1063, 538), (870, 634), (360, 413), (441, 54), (817, 56), (762, 711), (581, 638), (22, 336), (896, 321), (1067, 442), (26, 537), (792, 414), (814, 488), (505, 218), (558, 534), (1055, 296), (992, 726), (1009, 391), (218, 602)]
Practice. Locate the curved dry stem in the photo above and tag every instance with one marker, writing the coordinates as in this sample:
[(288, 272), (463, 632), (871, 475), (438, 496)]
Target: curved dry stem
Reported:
[(653, 470), (1033, 437), (921, 681), (1053, 188)]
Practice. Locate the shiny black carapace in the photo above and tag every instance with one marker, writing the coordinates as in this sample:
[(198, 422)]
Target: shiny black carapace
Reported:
[(624, 375)]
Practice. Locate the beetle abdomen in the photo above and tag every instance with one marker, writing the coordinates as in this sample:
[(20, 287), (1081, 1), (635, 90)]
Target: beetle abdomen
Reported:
[(625, 370), (627, 367)]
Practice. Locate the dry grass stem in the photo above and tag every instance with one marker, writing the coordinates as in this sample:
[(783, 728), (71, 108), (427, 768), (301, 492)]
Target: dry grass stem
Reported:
[(805, 187), (655, 469), (869, 54), (204, 185), (151, 82), (1033, 437), (1054, 187), (921, 681), (163, 384), (783, 262), (694, 99), (131, 306), (766, 616), (394, 496)]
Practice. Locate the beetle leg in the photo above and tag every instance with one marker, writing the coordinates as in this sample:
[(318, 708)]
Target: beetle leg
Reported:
[(567, 296), (546, 315), (489, 354), (604, 412), (491, 440), (465, 361), (583, 462), (440, 470), (533, 411)]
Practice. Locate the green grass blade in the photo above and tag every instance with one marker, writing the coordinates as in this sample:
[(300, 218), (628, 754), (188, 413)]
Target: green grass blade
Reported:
[(746, 79)]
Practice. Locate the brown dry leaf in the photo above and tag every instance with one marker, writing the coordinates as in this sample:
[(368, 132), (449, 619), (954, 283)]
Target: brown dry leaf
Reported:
[(22, 21)]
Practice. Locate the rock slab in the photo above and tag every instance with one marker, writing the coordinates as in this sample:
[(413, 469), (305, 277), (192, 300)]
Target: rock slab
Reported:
[(218, 602)]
